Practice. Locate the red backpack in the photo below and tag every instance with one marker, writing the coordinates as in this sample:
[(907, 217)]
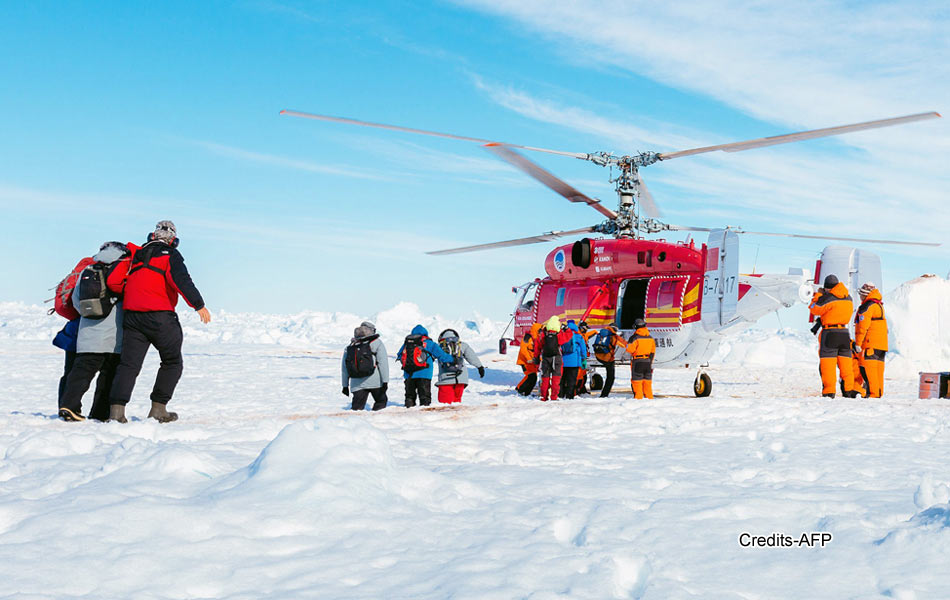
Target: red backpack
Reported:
[(62, 301), (414, 356)]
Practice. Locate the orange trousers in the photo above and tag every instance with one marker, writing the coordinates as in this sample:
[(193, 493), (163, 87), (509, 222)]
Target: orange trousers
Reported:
[(642, 388)]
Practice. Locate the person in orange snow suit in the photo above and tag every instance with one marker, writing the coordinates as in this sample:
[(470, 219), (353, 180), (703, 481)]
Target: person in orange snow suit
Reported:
[(526, 361), (547, 354), (870, 338), (642, 348), (832, 304)]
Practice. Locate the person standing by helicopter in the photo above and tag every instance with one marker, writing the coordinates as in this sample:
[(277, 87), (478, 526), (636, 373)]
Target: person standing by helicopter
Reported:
[(574, 356), (642, 349), (526, 361), (605, 345), (833, 305), (870, 337), (547, 354)]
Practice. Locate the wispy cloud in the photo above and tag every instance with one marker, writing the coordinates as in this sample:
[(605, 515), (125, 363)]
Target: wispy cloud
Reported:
[(797, 65), (285, 161)]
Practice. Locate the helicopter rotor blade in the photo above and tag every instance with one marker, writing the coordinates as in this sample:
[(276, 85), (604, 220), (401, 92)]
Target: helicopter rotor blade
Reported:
[(809, 237), (451, 136), (535, 239), (647, 203), (802, 135), (549, 179)]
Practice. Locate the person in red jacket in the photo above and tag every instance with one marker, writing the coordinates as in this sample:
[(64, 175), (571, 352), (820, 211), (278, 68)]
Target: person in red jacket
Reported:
[(547, 354), (150, 284)]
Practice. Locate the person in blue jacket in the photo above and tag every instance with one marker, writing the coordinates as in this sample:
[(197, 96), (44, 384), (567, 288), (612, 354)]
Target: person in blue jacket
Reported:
[(65, 340), (575, 356), (417, 365)]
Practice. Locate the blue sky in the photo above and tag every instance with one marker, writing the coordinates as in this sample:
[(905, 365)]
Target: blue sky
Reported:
[(117, 114)]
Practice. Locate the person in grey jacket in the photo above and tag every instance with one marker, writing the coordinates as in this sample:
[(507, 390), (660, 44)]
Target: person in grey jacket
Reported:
[(453, 377), (98, 347), (366, 346)]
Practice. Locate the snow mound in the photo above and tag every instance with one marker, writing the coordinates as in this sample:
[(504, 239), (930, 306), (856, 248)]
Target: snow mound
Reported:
[(918, 319), (340, 467), (759, 348), (308, 329)]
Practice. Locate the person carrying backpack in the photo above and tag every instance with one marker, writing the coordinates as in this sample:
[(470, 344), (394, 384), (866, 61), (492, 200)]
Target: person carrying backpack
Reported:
[(526, 361), (587, 333), (365, 368), (604, 346), (99, 338), (415, 356), (574, 355), (642, 349), (453, 377), (547, 354), (150, 284)]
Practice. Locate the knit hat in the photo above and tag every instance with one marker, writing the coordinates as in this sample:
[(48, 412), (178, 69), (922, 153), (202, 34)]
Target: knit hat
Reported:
[(638, 323), (830, 282), (368, 325), (553, 324), (866, 289), (165, 231), (362, 332)]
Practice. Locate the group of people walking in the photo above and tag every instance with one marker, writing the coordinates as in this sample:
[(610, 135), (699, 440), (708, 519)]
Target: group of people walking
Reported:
[(365, 369), (558, 354), (859, 363), (121, 302)]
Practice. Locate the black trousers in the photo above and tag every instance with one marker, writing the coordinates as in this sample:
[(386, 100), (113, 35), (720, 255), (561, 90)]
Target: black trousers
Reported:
[(67, 367), (84, 369), (379, 398), (568, 382), (421, 388), (611, 369), (139, 331), (527, 383)]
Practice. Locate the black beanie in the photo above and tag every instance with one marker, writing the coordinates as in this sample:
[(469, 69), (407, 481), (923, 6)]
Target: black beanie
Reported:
[(830, 282)]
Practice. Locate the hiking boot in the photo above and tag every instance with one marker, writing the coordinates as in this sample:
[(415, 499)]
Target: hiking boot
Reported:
[(829, 396), (117, 413), (161, 414), (68, 415)]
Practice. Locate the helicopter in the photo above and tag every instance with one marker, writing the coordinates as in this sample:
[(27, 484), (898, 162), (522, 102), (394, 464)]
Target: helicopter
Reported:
[(691, 297)]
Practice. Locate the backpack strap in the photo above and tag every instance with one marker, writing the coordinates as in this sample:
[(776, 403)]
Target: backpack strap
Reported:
[(144, 263)]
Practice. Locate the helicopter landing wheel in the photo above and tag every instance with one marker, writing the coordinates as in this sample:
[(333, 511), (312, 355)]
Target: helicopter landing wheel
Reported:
[(702, 386), (596, 382)]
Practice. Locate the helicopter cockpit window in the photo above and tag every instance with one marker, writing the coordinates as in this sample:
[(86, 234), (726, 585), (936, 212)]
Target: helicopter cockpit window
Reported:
[(559, 301), (527, 298)]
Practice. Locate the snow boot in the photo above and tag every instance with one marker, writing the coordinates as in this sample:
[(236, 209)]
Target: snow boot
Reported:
[(117, 413), (68, 415), (161, 414), (832, 396)]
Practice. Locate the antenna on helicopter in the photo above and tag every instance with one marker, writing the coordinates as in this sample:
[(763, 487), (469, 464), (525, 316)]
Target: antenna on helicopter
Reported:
[(632, 192)]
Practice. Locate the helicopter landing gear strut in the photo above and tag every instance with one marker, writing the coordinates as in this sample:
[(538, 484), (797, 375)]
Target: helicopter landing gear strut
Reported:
[(702, 386)]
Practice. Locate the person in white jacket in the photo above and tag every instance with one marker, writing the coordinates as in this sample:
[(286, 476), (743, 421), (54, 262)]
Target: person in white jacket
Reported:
[(365, 368)]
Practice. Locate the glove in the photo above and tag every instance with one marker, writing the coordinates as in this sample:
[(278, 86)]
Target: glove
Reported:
[(346, 391), (584, 364), (481, 372), (816, 327), (385, 386)]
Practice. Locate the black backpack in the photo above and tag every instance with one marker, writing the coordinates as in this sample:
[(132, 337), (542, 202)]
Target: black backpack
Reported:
[(602, 341), (414, 356), (95, 299), (451, 345), (550, 346), (359, 359)]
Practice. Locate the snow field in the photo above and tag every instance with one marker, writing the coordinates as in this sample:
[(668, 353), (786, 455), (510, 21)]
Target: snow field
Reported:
[(268, 487)]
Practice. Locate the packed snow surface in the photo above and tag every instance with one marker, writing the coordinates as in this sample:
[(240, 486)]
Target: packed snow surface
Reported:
[(269, 487)]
